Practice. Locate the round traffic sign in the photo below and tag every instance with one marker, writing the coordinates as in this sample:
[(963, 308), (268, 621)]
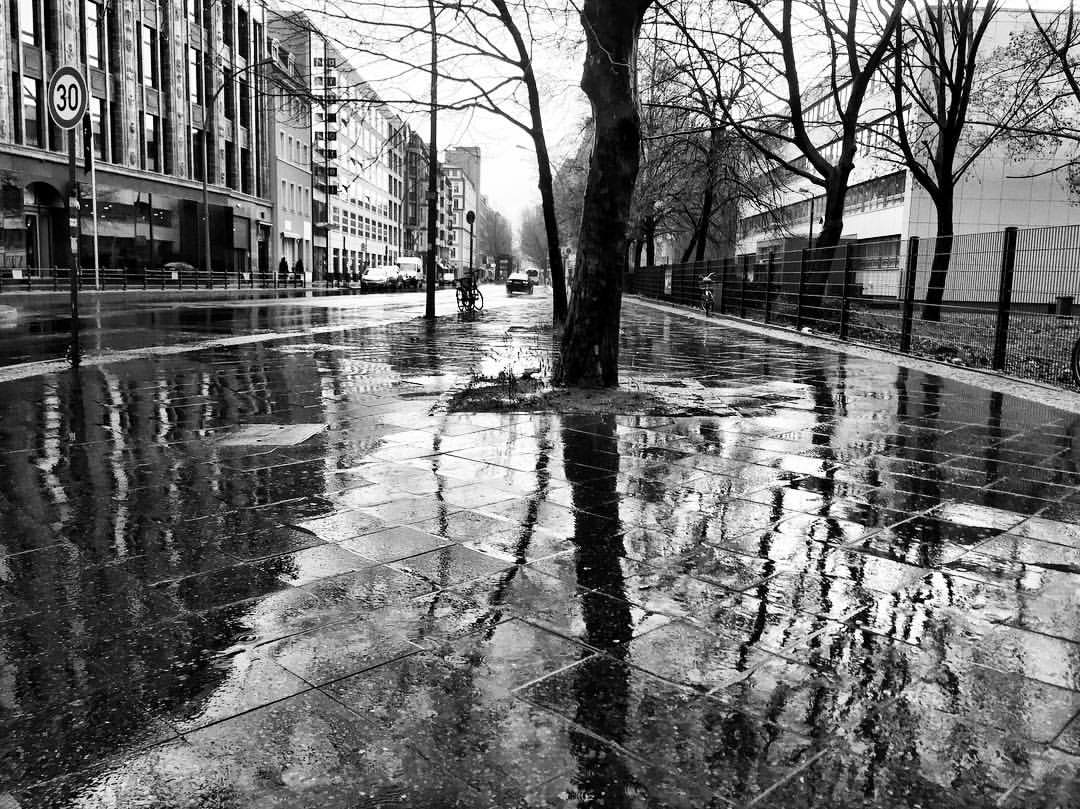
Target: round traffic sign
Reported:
[(67, 97)]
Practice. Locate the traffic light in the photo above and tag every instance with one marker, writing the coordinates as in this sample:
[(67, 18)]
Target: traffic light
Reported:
[(87, 142)]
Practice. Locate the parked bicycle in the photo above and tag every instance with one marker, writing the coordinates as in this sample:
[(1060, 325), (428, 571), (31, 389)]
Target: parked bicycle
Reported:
[(706, 302), (469, 297)]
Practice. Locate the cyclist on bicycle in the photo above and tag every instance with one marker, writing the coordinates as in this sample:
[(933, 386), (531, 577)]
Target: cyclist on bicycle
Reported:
[(705, 285)]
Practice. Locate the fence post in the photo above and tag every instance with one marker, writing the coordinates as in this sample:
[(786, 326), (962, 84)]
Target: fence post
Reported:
[(723, 279), (1001, 328), (769, 269), (54, 279), (910, 277), (844, 302), (802, 287), (742, 284)]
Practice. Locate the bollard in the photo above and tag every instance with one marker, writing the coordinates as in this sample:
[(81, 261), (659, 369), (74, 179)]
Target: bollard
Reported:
[(802, 287), (910, 278), (844, 301), (1001, 328), (769, 268)]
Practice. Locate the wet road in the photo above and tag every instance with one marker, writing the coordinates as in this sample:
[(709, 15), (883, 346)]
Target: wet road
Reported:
[(286, 573), (40, 329)]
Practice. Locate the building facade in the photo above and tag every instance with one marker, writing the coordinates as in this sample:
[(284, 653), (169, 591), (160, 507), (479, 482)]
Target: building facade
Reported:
[(168, 82), (462, 167), (289, 110)]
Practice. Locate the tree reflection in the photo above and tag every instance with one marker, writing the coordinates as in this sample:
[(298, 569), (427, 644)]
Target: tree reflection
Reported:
[(602, 686)]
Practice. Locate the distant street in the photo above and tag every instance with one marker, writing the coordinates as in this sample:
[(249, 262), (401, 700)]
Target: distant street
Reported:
[(149, 321)]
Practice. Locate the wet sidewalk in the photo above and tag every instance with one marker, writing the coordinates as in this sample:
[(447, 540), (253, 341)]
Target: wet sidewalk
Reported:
[(289, 574)]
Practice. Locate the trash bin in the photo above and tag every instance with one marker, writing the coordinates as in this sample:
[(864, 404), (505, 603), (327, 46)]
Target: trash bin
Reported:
[(1064, 306)]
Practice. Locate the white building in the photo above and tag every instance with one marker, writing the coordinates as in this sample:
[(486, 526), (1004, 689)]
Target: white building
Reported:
[(359, 159), (462, 168), (885, 205)]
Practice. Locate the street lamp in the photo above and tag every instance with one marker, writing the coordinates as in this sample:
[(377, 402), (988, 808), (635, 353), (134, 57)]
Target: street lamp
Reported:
[(470, 217), (206, 159), (810, 236)]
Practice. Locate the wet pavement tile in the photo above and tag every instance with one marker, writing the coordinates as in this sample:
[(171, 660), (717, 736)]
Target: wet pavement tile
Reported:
[(394, 544), (74, 735), (310, 751), (677, 733), (332, 651), (369, 589), (320, 562), (228, 585), (340, 525), (451, 565)]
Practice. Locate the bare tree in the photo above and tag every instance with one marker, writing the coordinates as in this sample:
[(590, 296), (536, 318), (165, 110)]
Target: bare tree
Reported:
[(812, 132), (590, 344), (940, 76)]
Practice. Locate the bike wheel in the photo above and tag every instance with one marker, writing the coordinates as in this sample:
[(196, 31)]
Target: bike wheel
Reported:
[(479, 302), (1074, 364)]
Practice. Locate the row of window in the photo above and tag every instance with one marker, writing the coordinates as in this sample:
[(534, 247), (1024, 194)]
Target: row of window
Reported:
[(293, 149), (351, 261), (355, 225), (295, 198)]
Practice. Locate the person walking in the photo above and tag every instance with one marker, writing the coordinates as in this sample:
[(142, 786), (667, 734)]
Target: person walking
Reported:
[(298, 271), (283, 271)]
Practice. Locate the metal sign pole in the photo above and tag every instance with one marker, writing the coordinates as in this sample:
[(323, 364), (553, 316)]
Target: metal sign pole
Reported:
[(73, 233)]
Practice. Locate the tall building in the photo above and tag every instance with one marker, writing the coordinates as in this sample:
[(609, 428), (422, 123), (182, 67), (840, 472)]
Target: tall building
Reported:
[(359, 165), (416, 206), (462, 167), (167, 82), (289, 125)]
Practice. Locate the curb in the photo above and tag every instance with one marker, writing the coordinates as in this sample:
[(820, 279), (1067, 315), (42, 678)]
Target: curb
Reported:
[(989, 380)]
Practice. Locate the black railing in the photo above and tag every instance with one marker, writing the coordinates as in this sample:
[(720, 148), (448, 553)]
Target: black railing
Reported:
[(1006, 303), (58, 279)]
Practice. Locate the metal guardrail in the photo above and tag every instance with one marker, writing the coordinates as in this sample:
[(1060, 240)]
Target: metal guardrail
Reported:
[(1007, 301), (58, 279)]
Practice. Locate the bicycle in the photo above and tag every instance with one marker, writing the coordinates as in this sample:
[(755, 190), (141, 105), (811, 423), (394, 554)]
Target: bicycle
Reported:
[(706, 301), (469, 297)]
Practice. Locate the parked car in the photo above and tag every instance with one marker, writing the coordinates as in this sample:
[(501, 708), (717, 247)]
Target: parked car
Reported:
[(384, 276), (445, 275), (519, 281)]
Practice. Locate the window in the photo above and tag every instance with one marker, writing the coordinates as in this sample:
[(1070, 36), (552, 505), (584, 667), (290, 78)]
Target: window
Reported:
[(95, 32), (283, 199), (97, 119), (242, 33), (29, 22), (31, 91), (289, 151), (195, 75), (228, 94), (197, 165), (148, 58), (245, 104), (245, 170), (230, 164), (227, 23), (150, 142)]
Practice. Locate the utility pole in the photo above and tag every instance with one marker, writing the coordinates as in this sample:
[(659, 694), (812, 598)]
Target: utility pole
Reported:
[(433, 172)]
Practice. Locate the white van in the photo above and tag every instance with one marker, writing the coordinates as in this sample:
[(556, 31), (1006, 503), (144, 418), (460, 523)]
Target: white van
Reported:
[(412, 271)]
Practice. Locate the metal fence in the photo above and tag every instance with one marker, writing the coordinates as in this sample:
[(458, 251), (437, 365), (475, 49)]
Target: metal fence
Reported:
[(1006, 298), (58, 279)]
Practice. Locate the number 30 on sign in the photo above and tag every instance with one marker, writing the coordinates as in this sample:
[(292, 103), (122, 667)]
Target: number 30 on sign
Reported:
[(67, 97)]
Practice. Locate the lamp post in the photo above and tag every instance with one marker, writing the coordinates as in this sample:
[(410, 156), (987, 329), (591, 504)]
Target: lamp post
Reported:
[(206, 159), (470, 217), (810, 236)]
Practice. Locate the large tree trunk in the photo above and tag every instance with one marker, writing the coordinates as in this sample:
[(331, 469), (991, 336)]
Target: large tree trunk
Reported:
[(939, 270), (701, 235), (823, 250), (590, 344), (650, 241)]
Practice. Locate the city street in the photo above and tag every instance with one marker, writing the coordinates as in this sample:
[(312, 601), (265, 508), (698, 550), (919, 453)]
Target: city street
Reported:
[(257, 553)]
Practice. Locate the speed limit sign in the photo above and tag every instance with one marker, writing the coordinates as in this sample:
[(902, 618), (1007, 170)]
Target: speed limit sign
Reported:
[(67, 97)]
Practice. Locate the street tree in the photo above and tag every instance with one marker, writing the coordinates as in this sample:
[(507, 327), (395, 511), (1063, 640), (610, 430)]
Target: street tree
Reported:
[(590, 341), (952, 100), (810, 129)]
